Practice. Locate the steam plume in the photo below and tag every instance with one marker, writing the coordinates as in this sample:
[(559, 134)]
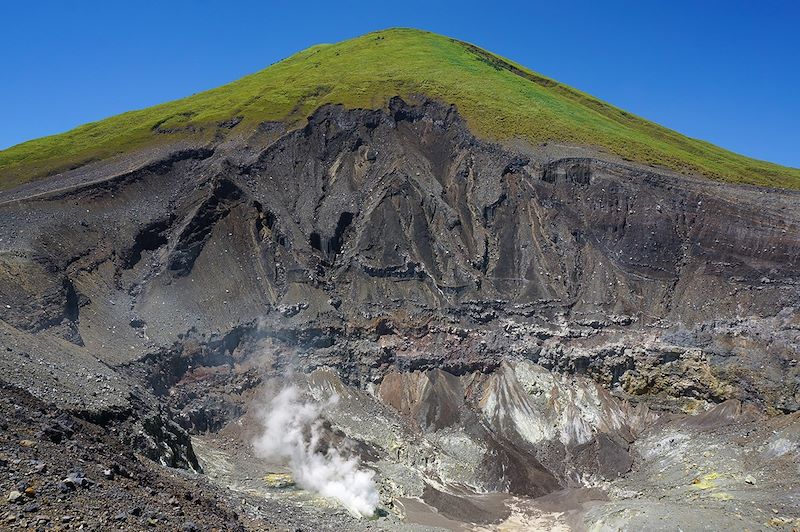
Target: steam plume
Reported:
[(292, 432)]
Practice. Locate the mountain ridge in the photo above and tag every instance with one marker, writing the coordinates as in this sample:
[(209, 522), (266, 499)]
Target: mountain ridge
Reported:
[(500, 100)]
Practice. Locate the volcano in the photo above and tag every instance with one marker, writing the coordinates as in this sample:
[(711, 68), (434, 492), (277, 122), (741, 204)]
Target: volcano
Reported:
[(499, 302)]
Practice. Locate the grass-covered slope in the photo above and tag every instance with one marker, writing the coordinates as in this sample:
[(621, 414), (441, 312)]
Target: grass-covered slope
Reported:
[(500, 100)]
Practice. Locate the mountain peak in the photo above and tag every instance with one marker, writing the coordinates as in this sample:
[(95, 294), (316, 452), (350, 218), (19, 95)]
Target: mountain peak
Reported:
[(499, 99)]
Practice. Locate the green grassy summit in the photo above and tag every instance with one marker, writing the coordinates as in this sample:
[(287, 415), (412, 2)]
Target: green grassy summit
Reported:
[(499, 99)]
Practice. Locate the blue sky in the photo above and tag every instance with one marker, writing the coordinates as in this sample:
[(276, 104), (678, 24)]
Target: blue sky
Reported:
[(723, 71)]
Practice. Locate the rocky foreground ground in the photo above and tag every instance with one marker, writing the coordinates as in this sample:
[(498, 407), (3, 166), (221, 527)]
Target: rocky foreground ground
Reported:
[(65, 473)]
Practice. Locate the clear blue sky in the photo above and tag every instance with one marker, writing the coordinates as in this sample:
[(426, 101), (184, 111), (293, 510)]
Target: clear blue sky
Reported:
[(725, 71)]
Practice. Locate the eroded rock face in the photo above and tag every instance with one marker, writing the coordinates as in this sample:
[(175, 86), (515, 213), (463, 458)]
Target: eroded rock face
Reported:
[(400, 223), (451, 280)]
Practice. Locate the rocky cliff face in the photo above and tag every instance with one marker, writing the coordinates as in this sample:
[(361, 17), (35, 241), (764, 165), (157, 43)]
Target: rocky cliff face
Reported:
[(444, 277)]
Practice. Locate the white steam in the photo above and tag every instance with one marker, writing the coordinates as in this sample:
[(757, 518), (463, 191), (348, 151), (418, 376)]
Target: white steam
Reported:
[(292, 432)]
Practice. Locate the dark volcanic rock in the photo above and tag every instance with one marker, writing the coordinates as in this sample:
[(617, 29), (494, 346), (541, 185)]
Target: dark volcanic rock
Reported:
[(406, 217)]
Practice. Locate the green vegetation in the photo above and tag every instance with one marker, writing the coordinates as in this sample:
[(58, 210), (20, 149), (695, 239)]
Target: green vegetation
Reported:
[(499, 99)]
